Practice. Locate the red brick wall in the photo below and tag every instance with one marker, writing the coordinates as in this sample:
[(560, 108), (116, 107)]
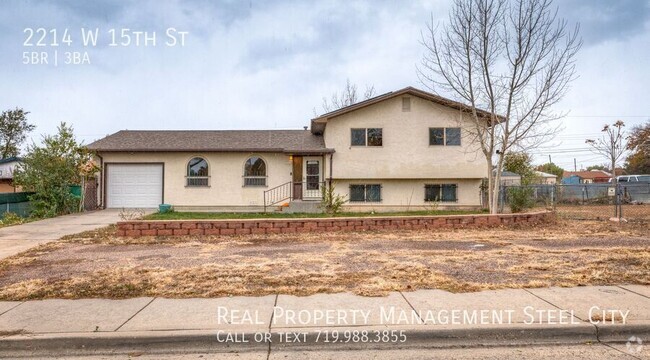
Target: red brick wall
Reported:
[(274, 226)]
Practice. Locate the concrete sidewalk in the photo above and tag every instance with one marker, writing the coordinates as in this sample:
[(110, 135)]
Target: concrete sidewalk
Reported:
[(426, 318), (17, 238)]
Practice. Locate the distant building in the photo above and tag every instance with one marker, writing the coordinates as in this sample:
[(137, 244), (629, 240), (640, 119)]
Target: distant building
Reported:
[(509, 178), (545, 178), (586, 177), (7, 169)]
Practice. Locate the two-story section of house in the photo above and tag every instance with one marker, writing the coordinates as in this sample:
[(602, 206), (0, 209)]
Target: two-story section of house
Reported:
[(404, 150), (408, 149)]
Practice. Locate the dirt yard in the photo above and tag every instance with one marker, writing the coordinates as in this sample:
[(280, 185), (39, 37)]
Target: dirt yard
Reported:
[(562, 253)]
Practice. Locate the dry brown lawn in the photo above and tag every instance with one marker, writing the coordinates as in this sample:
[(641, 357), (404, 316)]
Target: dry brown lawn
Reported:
[(560, 253)]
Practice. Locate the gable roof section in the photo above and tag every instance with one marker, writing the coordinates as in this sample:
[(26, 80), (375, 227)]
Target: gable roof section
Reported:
[(287, 141), (318, 123)]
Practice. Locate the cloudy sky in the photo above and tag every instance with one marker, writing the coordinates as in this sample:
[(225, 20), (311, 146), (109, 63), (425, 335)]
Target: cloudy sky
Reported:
[(268, 64)]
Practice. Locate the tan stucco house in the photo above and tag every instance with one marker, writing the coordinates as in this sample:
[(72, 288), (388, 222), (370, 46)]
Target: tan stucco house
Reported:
[(404, 150)]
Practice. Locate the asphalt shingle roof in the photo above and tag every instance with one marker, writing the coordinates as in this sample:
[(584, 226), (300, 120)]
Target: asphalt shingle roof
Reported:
[(293, 141)]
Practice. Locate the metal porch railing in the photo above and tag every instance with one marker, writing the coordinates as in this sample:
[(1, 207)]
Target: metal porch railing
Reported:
[(306, 190)]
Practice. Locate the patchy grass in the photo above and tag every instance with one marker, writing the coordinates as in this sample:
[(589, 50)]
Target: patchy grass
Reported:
[(98, 264), (173, 215)]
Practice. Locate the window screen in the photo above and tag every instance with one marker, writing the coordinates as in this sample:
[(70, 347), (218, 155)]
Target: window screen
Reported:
[(358, 137), (452, 136), (374, 137), (444, 192), (436, 136), (365, 193)]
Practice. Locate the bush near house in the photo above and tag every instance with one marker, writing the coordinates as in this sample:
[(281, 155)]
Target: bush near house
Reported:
[(50, 169), (520, 198)]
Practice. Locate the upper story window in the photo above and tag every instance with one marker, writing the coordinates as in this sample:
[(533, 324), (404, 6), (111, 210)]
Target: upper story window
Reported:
[(197, 172), (444, 136), (255, 172), (367, 137)]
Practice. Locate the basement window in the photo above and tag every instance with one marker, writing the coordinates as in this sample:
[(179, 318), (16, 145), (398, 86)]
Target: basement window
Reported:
[(441, 193), (365, 193)]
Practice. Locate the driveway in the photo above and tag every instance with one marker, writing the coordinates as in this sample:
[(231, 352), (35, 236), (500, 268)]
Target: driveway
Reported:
[(17, 238)]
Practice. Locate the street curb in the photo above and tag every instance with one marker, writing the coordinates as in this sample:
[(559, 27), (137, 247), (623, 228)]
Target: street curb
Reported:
[(622, 333), (206, 340)]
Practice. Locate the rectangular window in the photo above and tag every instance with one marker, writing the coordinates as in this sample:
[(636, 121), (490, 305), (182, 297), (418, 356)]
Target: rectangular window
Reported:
[(442, 193), (449, 192), (358, 137), (444, 136), (452, 136), (365, 193), (357, 193), (374, 137), (431, 192), (366, 137), (436, 136)]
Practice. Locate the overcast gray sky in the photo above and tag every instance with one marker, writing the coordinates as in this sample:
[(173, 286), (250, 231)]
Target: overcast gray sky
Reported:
[(266, 65)]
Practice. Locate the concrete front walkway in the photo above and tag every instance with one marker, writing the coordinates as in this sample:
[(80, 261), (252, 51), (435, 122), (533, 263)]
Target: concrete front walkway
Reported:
[(17, 238), (605, 314)]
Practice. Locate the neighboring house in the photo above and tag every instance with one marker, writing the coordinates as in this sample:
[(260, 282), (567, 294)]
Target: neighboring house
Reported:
[(585, 177), (508, 178), (7, 168), (403, 150), (545, 178)]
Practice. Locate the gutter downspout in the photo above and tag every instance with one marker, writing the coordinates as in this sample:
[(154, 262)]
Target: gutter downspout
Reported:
[(101, 182), (331, 166)]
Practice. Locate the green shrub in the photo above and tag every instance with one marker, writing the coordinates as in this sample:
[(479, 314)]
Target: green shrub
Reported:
[(520, 198), (50, 168), (331, 202), (10, 218)]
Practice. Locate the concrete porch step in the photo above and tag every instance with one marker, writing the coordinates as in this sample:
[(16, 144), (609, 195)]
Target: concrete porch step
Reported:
[(302, 206)]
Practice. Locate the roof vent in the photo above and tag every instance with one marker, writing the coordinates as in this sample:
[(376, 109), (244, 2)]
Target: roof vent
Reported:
[(406, 104)]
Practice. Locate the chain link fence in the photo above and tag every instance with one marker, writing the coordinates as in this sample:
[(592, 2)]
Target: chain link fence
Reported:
[(596, 201)]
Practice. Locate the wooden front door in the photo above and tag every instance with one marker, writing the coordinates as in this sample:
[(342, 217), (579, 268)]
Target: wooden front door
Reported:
[(297, 177)]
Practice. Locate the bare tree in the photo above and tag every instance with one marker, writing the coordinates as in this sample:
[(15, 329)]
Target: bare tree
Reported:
[(611, 145), (513, 60), (348, 96)]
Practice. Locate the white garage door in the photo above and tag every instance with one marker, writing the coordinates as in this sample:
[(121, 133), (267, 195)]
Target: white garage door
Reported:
[(134, 185)]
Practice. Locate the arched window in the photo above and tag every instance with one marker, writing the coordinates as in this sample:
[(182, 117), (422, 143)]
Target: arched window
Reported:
[(197, 172), (255, 172)]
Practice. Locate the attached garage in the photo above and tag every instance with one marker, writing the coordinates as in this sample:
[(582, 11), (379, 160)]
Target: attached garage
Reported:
[(134, 185)]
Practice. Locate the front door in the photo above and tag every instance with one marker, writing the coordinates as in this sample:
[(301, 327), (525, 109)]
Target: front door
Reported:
[(312, 188), (297, 177)]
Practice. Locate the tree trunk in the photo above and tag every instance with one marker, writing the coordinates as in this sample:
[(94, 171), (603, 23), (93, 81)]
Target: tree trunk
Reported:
[(494, 209), (490, 188)]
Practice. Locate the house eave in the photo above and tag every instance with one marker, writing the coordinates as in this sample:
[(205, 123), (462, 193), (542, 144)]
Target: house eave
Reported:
[(246, 150)]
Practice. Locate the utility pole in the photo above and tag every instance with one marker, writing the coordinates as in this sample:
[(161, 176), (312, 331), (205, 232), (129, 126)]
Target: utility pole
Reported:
[(549, 159), (575, 166)]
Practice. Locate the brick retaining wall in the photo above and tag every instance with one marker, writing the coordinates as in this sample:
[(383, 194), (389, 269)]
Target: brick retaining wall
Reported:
[(274, 226)]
